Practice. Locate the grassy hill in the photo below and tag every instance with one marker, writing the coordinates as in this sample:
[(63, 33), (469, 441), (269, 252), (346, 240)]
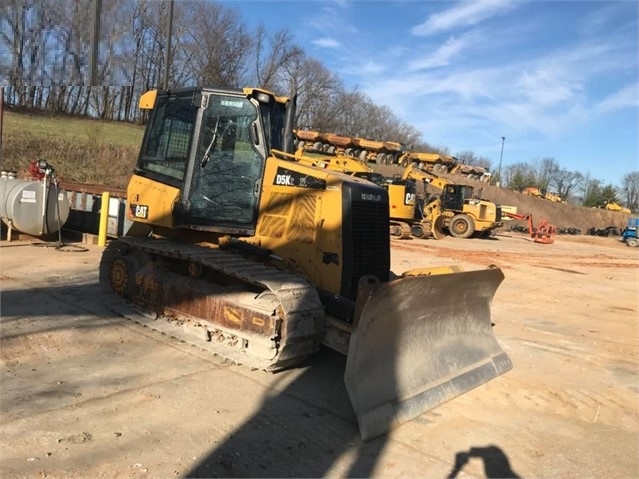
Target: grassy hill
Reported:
[(104, 153), (81, 150)]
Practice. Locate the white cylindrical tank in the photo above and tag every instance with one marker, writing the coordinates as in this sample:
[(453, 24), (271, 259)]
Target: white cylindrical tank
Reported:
[(32, 207)]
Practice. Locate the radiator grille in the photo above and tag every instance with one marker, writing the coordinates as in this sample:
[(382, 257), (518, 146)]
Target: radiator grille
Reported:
[(369, 243)]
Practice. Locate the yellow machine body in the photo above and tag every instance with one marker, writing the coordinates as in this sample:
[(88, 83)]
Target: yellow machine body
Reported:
[(248, 252)]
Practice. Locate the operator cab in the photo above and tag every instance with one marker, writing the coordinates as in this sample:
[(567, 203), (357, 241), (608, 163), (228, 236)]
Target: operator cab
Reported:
[(454, 196), (212, 144)]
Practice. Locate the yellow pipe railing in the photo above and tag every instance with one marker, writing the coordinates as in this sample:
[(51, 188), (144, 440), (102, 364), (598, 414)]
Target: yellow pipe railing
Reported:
[(104, 218)]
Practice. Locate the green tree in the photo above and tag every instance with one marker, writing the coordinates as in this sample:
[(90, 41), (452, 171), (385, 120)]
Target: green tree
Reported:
[(609, 194), (519, 176), (593, 196)]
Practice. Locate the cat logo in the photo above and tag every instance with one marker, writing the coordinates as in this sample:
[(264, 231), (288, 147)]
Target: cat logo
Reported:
[(140, 211), (409, 199), (284, 180)]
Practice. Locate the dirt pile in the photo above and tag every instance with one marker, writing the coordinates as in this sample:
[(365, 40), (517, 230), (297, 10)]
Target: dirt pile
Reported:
[(563, 215)]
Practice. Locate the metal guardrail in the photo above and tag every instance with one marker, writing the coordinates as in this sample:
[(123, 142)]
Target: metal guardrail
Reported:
[(86, 207)]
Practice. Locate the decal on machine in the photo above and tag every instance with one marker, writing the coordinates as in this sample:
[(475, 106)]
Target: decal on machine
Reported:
[(371, 197), (286, 177), (409, 199), (140, 211)]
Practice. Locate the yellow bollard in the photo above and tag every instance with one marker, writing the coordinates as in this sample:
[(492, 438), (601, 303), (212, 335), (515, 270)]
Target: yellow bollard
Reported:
[(104, 219)]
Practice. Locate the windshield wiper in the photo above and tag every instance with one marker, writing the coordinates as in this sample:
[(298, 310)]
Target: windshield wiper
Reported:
[(210, 148)]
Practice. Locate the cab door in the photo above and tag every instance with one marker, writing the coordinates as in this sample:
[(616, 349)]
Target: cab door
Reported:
[(227, 171)]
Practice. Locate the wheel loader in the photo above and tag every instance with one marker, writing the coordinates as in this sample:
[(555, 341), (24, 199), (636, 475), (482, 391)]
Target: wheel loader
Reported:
[(263, 260), (456, 208)]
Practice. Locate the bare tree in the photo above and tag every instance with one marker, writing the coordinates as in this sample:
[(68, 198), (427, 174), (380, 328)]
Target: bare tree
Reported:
[(24, 33), (566, 182), (315, 87), (467, 156), (548, 171), (630, 189), (271, 55), (217, 45)]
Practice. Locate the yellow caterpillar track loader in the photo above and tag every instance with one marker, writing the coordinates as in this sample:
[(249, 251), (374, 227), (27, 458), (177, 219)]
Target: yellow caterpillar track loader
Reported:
[(262, 260), (613, 206)]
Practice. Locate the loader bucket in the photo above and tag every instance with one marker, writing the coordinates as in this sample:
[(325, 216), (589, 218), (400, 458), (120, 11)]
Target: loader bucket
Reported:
[(438, 228), (419, 342)]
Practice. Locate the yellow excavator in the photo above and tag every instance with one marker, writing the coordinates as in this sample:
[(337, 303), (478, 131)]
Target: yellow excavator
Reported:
[(261, 260)]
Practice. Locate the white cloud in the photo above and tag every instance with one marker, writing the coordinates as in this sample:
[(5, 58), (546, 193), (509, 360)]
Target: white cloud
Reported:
[(467, 89), (547, 86), (463, 14), (326, 42), (626, 97), (440, 57), (329, 19), (371, 67)]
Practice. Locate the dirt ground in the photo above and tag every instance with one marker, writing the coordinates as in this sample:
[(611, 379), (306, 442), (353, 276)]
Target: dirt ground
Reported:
[(86, 393)]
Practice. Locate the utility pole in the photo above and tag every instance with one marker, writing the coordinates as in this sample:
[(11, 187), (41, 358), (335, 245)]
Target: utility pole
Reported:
[(168, 46), (1, 116), (501, 157), (95, 43)]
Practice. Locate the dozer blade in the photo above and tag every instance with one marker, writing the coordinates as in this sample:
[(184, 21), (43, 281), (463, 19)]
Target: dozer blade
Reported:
[(419, 342)]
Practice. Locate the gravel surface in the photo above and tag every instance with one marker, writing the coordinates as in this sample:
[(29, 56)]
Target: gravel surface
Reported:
[(86, 393)]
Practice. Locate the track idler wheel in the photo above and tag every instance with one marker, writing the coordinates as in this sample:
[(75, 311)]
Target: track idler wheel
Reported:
[(396, 230), (419, 231), (122, 271), (121, 277)]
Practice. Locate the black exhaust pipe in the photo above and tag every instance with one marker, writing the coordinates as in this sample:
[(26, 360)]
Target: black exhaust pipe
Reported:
[(289, 124)]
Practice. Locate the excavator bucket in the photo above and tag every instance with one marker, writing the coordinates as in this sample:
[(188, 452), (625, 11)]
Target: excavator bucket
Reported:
[(420, 341)]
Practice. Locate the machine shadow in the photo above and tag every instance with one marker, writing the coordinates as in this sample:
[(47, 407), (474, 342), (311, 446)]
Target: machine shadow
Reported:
[(306, 429), (496, 463), (70, 298)]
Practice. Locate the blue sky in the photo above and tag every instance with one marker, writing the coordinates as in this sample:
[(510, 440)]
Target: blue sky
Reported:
[(558, 79)]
